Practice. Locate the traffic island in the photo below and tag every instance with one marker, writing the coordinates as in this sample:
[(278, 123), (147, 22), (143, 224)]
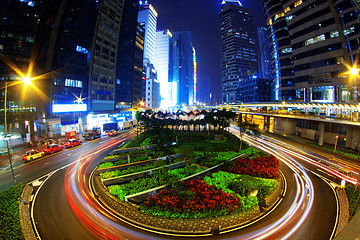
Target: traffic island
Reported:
[(195, 227)]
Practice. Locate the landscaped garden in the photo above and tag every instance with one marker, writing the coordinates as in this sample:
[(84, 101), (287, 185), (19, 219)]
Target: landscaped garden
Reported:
[(10, 227), (195, 169)]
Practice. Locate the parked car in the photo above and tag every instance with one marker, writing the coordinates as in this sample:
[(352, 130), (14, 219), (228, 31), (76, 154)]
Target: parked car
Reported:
[(32, 155), (51, 148), (72, 143), (112, 133)]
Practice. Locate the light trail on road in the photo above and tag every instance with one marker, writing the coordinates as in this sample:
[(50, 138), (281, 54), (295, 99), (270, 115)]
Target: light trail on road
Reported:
[(104, 224)]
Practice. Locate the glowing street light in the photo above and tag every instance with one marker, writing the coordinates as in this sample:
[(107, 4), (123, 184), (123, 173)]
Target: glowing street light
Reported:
[(26, 80), (354, 71)]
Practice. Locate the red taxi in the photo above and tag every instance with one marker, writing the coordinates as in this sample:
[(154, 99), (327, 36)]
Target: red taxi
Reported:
[(32, 155), (51, 148), (72, 143)]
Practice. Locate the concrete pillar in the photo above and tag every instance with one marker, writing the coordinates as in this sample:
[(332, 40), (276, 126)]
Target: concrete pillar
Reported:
[(31, 128), (268, 123), (349, 136), (321, 130), (264, 127)]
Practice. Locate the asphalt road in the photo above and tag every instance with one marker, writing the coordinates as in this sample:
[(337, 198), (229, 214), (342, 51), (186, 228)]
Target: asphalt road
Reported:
[(63, 207)]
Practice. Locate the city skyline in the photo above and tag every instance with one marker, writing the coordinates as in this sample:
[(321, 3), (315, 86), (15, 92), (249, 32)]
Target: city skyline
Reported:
[(203, 23)]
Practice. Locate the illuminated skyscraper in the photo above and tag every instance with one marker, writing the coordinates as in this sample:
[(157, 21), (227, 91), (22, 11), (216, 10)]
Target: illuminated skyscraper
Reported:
[(148, 18), (164, 64), (265, 70), (238, 47), (184, 66), (148, 15), (311, 44)]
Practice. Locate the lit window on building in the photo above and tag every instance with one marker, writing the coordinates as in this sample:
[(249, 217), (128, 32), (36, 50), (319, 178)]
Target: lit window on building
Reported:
[(286, 50), (349, 30), (334, 34), (287, 9), (73, 83), (339, 60), (279, 15), (297, 3), (288, 18), (319, 38)]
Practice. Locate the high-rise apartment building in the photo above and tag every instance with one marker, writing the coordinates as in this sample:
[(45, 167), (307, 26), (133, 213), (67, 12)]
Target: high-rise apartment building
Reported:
[(164, 64), (238, 47), (184, 67), (312, 42), (103, 63)]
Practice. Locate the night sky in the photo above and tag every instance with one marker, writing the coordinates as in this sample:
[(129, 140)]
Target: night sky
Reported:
[(201, 18)]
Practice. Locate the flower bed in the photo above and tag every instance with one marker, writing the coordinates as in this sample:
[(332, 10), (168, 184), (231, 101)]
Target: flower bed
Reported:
[(244, 186), (158, 178), (194, 199), (263, 167)]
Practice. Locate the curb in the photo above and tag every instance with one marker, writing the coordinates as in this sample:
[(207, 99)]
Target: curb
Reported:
[(25, 219)]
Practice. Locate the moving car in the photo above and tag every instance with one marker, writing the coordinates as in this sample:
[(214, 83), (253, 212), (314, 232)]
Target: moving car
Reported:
[(32, 154), (112, 133), (51, 148), (72, 143)]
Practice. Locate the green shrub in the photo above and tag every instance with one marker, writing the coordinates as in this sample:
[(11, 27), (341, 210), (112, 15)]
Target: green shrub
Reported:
[(353, 194), (106, 165), (243, 185), (10, 227)]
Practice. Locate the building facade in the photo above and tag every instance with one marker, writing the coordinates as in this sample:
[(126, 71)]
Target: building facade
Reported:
[(164, 64), (151, 86), (148, 15), (19, 22), (313, 45), (265, 70), (103, 63), (128, 71), (137, 87), (184, 68), (238, 47), (148, 18)]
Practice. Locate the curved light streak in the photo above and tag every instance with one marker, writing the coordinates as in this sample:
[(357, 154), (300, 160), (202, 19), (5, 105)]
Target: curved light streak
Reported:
[(103, 224)]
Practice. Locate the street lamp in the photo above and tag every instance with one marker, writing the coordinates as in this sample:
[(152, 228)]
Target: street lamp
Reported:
[(26, 80)]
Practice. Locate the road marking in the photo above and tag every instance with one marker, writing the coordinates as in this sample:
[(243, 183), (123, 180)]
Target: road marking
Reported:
[(36, 183), (46, 163), (69, 154), (17, 175), (5, 169)]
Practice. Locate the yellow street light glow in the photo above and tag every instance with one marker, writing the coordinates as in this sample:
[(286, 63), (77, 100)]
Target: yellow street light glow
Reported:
[(354, 71), (27, 80)]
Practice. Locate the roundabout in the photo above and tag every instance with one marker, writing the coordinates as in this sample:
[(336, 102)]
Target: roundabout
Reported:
[(285, 220)]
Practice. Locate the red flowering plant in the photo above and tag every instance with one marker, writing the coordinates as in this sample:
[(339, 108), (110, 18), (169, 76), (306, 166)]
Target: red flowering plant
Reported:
[(263, 167), (194, 199)]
